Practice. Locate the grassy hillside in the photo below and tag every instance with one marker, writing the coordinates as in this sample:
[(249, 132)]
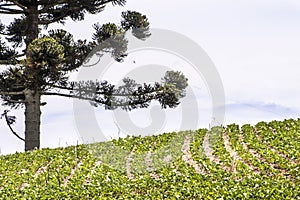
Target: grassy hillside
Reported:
[(248, 162)]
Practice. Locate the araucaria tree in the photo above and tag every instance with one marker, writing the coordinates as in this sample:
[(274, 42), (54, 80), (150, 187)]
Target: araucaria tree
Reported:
[(35, 64)]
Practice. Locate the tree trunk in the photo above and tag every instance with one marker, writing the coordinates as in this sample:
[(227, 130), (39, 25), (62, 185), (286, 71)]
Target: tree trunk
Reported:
[(32, 96), (32, 19), (32, 119)]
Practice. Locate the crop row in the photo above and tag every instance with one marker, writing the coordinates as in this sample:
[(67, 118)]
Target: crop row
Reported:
[(224, 162)]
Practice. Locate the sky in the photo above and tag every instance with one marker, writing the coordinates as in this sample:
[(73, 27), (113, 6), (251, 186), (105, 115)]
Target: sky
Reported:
[(254, 46)]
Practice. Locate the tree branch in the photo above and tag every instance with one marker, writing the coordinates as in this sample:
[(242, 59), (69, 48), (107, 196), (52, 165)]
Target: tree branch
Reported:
[(46, 8), (9, 125), (19, 5), (11, 60), (14, 101), (72, 96), (67, 11), (114, 94), (56, 19), (7, 4), (6, 62), (63, 88), (11, 93), (13, 11), (127, 105), (9, 13)]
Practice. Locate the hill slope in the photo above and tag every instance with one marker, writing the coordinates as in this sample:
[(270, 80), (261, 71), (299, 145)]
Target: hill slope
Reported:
[(259, 162)]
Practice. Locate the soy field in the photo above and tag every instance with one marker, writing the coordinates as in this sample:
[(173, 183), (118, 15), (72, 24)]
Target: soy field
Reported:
[(259, 161)]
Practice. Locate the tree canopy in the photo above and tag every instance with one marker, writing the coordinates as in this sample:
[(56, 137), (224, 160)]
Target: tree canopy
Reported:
[(39, 64)]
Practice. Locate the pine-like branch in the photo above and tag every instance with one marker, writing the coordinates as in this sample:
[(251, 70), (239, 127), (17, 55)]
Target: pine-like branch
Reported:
[(59, 10), (7, 4), (72, 96), (116, 93), (11, 93), (12, 60), (11, 11), (19, 5), (56, 19), (9, 122), (14, 3), (127, 105), (7, 62)]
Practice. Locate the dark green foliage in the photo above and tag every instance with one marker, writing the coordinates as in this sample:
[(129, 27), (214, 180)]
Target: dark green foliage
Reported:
[(13, 80), (44, 64), (5, 51), (137, 23), (16, 31), (45, 53), (111, 38), (178, 80)]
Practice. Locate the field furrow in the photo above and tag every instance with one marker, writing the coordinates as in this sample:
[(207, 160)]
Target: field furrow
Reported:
[(187, 156), (232, 162)]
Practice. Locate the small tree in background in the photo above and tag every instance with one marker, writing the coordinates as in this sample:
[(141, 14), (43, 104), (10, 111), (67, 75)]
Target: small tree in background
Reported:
[(37, 65)]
